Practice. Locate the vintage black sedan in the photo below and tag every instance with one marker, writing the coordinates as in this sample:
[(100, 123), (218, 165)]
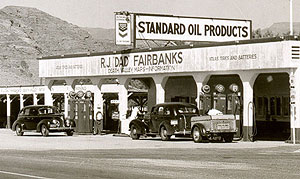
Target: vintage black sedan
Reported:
[(44, 119), (165, 120)]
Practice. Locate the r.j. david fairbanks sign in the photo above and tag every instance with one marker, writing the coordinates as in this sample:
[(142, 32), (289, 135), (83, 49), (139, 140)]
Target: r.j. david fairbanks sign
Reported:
[(224, 58), (161, 27)]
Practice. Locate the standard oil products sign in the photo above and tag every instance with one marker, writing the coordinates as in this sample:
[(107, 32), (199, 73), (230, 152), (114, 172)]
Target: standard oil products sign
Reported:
[(123, 29), (162, 27)]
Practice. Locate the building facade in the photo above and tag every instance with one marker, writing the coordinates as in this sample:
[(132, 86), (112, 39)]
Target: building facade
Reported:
[(265, 73)]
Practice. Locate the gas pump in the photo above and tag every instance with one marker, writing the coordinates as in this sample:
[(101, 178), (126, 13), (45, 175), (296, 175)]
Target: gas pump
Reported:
[(233, 106), (204, 100), (219, 99), (81, 110)]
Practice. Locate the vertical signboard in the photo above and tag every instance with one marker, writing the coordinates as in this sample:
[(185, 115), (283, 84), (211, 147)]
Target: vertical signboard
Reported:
[(123, 29)]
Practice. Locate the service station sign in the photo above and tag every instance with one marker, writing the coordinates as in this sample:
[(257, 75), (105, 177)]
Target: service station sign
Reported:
[(162, 27), (224, 58), (123, 29)]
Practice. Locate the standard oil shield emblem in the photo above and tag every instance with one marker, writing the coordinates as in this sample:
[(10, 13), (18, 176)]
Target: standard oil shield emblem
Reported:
[(122, 29)]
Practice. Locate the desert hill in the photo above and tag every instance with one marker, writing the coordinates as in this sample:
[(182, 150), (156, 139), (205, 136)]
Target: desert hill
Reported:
[(28, 33), (282, 28)]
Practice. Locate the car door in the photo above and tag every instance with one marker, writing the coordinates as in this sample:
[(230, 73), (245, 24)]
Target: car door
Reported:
[(30, 117), (157, 117)]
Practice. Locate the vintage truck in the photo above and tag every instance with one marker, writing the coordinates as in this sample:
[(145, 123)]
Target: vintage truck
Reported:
[(208, 127)]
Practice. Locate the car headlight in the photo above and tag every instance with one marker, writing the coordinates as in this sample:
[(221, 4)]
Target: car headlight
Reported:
[(56, 122), (68, 123)]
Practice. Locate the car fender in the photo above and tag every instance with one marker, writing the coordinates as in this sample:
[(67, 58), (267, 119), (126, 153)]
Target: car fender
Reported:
[(13, 127), (170, 129), (201, 127), (140, 126)]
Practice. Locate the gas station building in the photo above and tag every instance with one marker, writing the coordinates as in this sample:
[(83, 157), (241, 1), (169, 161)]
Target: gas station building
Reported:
[(264, 73)]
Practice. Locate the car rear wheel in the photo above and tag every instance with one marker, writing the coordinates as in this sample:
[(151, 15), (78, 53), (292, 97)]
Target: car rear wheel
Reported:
[(44, 130), (70, 133), (197, 137), (19, 131), (164, 134), (228, 138), (133, 133)]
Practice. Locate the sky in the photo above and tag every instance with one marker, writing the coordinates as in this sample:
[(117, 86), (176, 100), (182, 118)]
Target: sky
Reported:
[(100, 13)]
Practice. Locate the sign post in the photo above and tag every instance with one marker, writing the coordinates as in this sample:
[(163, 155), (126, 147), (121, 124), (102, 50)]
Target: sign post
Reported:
[(293, 106)]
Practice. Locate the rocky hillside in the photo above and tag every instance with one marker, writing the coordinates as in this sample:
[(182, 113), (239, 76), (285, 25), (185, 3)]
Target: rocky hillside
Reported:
[(284, 28), (28, 33)]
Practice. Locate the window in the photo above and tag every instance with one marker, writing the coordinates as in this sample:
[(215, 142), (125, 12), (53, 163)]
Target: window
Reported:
[(278, 106), (266, 106), (272, 105), (260, 106), (167, 111), (47, 110), (27, 111), (285, 106), (187, 110), (33, 112), (160, 110)]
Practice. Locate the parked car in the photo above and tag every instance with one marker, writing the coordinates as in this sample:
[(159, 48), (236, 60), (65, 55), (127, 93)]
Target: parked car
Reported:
[(222, 126), (165, 119), (44, 119)]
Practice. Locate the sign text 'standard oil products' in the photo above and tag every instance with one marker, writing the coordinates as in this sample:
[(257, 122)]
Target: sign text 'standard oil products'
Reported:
[(192, 29), (162, 27)]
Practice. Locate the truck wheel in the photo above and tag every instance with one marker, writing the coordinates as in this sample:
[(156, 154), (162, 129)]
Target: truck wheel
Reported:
[(228, 138), (163, 134), (197, 137), (70, 133), (133, 133), (19, 130), (44, 130)]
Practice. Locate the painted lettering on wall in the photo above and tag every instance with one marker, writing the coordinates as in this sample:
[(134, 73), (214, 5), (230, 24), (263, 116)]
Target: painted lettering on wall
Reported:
[(233, 57)]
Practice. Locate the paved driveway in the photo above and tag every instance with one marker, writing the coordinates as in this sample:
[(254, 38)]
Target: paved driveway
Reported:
[(34, 141)]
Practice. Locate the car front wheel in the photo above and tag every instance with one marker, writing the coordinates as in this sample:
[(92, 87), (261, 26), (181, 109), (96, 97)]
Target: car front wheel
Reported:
[(133, 133), (70, 133), (19, 131), (164, 134), (44, 130), (197, 137)]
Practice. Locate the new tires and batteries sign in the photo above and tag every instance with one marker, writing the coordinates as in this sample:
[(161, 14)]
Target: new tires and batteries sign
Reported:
[(162, 27)]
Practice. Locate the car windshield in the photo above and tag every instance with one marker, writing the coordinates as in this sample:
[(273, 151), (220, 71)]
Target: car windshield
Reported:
[(47, 110), (187, 110)]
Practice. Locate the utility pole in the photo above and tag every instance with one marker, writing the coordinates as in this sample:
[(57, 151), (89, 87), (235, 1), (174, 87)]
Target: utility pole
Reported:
[(291, 17)]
